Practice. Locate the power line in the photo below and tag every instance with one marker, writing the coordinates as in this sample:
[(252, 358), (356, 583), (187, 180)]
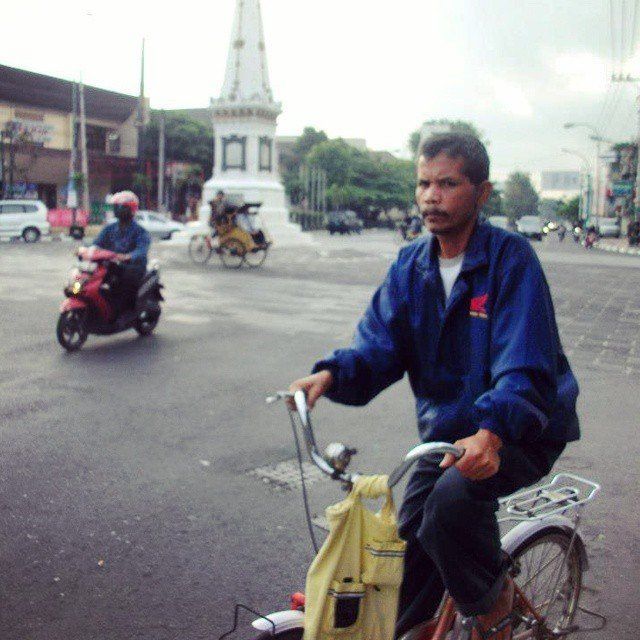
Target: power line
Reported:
[(608, 122), (623, 49), (612, 23), (613, 52), (634, 27), (606, 104)]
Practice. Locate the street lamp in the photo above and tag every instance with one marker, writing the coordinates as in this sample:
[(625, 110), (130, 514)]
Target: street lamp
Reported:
[(597, 138), (585, 171)]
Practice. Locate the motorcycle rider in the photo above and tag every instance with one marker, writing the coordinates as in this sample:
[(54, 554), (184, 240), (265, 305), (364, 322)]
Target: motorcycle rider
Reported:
[(591, 237), (219, 206), (562, 230), (131, 244)]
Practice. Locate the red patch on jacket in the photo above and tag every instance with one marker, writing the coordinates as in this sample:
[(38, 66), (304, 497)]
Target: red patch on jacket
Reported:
[(478, 306)]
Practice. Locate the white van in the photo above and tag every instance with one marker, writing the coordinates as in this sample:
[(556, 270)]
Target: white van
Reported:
[(23, 218)]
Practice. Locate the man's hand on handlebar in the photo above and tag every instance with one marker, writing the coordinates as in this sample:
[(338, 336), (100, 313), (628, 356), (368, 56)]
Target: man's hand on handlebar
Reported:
[(315, 385), (480, 460)]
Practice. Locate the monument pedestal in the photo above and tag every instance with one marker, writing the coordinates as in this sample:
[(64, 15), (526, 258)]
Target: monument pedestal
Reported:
[(244, 126)]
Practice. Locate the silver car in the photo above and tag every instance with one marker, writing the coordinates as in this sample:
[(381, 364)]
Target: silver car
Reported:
[(502, 222), (159, 226), (530, 227), (23, 218), (608, 227)]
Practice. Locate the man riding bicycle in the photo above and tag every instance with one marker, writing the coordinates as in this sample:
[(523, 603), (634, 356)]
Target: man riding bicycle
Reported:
[(467, 313)]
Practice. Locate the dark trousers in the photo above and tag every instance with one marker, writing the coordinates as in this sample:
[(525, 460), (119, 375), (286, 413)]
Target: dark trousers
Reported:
[(451, 529), (127, 281)]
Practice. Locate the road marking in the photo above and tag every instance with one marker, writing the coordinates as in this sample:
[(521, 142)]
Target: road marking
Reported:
[(286, 475), (185, 318)]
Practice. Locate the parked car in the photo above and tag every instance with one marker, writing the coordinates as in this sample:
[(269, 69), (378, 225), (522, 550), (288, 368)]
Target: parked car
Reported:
[(608, 227), (502, 222), (159, 226), (26, 219), (530, 227), (344, 222)]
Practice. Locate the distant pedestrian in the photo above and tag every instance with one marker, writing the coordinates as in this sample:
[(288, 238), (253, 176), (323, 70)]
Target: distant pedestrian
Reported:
[(633, 233)]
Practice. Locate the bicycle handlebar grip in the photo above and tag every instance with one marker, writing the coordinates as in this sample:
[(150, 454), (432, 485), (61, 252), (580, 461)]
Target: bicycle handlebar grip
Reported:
[(300, 398)]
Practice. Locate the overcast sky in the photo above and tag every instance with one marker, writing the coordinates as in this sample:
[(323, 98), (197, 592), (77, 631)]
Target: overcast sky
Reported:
[(518, 69)]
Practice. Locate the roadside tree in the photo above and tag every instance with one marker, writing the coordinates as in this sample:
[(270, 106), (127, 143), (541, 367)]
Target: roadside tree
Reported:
[(455, 126), (520, 197), (570, 210)]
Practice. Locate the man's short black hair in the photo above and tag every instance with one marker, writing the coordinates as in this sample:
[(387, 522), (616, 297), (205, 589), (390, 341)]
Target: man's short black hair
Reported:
[(220, 193), (460, 145)]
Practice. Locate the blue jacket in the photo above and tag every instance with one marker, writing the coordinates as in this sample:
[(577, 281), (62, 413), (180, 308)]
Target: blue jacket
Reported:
[(131, 239), (490, 358)]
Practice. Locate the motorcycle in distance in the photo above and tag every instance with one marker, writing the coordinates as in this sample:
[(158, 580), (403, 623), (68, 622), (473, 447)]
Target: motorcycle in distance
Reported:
[(91, 308), (577, 234), (591, 238)]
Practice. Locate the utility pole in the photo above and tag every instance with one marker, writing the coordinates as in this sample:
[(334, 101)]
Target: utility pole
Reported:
[(598, 200), (140, 124), (304, 178), (314, 188), (161, 206), (2, 161), (323, 191), (72, 195), (8, 145), (585, 184), (636, 200), (588, 196), (83, 147)]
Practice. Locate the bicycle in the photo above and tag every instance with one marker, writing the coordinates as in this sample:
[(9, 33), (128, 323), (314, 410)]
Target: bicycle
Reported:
[(547, 553), (232, 251), (235, 244)]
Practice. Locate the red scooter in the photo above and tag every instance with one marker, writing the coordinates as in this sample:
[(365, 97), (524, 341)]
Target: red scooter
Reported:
[(91, 307)]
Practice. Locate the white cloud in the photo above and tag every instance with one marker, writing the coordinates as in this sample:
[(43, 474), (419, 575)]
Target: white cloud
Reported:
[(582, 72), (510, 98)]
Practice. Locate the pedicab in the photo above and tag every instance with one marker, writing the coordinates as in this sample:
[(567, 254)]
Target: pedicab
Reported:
[(236, 237)]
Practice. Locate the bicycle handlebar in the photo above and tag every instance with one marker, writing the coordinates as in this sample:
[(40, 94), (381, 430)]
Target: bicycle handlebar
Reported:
[(425, 450)]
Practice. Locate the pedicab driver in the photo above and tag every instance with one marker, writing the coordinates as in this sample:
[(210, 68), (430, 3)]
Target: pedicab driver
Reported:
[(130, 241), (467, 313)]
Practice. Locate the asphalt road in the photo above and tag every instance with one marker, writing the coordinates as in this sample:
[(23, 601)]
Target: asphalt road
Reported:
[(130, 504)]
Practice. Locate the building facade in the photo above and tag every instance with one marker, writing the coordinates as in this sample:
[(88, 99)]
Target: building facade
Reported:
[(620, 185), (37, 136)]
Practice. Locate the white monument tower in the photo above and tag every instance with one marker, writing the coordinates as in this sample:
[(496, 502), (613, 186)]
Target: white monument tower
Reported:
[(244, 125)]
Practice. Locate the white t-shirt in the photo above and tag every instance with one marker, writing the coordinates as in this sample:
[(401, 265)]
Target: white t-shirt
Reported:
[(449, 270)]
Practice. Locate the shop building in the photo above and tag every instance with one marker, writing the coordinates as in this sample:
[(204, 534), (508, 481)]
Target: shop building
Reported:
[(36, 126)]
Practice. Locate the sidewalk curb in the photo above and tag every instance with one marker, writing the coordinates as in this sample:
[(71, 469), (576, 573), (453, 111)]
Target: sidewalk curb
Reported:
[(47, 239), (614, 249)]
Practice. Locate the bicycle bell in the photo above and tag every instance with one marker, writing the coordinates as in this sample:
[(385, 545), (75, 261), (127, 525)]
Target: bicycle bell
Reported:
[(338, 456)]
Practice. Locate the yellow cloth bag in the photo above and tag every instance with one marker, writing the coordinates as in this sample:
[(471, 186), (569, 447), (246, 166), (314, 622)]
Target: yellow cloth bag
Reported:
[(353, 584)]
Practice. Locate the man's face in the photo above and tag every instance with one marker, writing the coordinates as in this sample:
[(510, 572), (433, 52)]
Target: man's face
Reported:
[(123, 213), (448, 201)]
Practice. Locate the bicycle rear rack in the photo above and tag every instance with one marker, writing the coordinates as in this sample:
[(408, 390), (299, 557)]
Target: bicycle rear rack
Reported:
[(564, 493)]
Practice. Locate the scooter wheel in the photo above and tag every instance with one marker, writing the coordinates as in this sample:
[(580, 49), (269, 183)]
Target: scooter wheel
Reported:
[(145, 325), (71, 330)]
